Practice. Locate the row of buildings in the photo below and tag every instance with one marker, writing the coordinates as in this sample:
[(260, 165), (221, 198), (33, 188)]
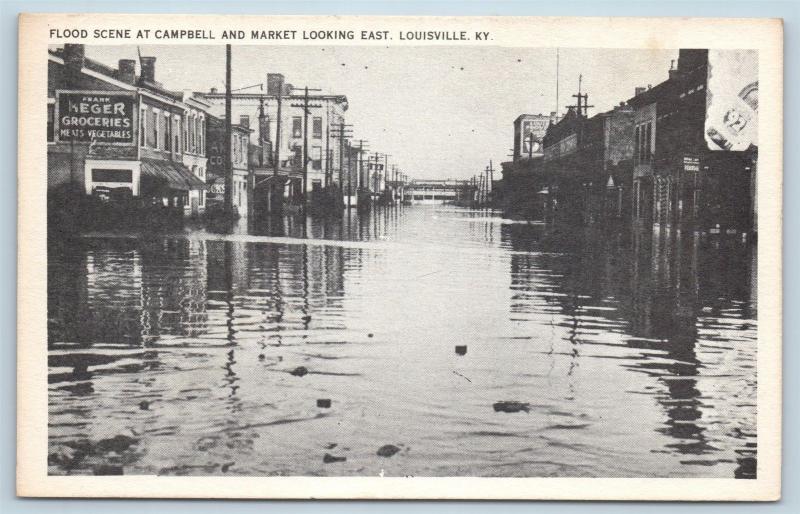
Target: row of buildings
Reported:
[(681, 153), (116, 135)]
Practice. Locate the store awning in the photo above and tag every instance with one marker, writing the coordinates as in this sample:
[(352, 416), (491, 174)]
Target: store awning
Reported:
[(271, 179), (173, 175)]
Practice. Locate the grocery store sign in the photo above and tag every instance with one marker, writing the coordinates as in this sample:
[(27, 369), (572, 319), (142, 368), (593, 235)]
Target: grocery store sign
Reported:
[(95, 117)]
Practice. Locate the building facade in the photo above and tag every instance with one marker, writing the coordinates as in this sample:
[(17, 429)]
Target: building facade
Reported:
[(696, 150), (529, 132), (276, 119), (242, 177), (587, 166), (115, 134)]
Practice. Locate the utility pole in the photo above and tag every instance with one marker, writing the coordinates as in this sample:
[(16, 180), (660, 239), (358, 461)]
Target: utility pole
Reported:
[(385, 173), (263, 126), (228, 135), (490, 171), (342, 131), (530, 145), (582, 107), (278, 129), (359, 165), (328, 148), (306, 106), (557, 78)]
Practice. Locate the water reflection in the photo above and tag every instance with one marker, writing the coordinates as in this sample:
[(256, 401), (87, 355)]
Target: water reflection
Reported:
[(633, 353)]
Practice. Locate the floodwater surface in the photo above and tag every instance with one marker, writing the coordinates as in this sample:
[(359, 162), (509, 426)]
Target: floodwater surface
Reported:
[(425, 341)]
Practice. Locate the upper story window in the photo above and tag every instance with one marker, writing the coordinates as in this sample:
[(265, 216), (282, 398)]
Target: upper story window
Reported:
[(192, 133), (167, 132), (143, 126), (297, 126), (154, 141), (176, 133), (202, 146), (317, 128), (186, 135), (645, 146)]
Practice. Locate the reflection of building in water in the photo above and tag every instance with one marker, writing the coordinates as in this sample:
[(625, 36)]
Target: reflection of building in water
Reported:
[(173, 288), (684, 302), (95, 296)]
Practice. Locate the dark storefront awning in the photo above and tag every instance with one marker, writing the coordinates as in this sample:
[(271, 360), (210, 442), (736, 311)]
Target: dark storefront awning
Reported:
[(271, 179), (170, 174)]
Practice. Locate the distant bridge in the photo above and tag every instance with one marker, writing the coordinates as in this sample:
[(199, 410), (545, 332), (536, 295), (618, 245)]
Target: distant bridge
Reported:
[(436, 191)]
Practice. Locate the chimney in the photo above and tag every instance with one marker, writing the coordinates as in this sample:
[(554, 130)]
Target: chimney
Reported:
[(127, 71), (274, 84), (74, 57), (149, 69), (213, 91), (673, 72), (640, 90)]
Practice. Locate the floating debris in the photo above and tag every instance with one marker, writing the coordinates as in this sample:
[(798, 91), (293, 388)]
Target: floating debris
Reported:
[(370, 334), (261, 356), (307, 318), (144, 405), (331, 446), (118, 443), (227, 466), (328, 459), (388, 450), (511, 407), (461, 349), (300, 371), (107, 469), (324, 403)]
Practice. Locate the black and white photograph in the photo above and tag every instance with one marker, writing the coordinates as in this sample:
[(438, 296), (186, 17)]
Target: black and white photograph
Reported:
[(400, 253)]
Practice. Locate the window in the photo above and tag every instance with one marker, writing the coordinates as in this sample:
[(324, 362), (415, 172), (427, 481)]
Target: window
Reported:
[(51, 115), (202, 199), (143, 126), (177, 134), (297, 126), (192, 140), (316, 157), (186, 135), (196, 148), (638, 145), (317, 127), (202, 147), (167, 132), (155, 123)]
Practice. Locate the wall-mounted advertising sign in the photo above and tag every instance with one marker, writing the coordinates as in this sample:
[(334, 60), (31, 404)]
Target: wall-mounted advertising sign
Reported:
[(95, 117), (691, 163), (533, 131), (732, 100)]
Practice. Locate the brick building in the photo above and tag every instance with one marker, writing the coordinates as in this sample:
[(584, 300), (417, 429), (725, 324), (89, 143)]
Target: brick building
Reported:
[(114, 134), (691, 168)]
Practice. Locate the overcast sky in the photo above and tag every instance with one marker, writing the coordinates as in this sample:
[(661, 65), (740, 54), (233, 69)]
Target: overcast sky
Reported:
[(440, 112)]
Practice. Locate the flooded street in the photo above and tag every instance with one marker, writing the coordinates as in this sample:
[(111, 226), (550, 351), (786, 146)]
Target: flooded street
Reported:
[(473, 345)]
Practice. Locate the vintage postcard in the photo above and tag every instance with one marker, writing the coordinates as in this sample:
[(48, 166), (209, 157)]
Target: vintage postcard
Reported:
[(399, 257)]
